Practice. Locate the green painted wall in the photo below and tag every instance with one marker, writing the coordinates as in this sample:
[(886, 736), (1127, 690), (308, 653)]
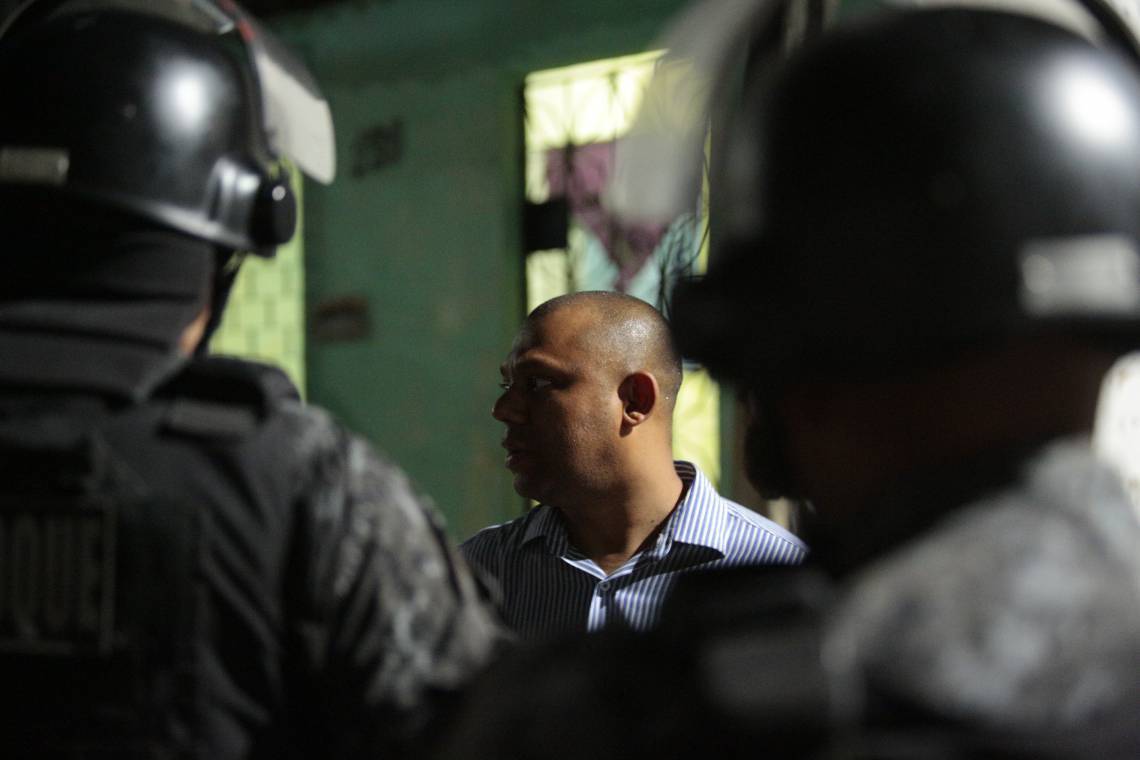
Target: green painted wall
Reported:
[(430, 241)]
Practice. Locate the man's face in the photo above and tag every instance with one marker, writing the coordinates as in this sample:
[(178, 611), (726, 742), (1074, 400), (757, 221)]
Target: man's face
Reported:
[(561, 410)]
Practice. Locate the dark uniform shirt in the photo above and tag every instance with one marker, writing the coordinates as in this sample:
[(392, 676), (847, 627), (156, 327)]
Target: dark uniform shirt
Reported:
[(216, 571)]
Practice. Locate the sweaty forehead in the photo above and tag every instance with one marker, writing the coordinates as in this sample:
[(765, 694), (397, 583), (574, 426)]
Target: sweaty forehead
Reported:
[(568, 335)]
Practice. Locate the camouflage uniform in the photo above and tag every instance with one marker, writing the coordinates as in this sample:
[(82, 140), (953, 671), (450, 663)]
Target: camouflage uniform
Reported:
[(278, 589), (1019, 611)]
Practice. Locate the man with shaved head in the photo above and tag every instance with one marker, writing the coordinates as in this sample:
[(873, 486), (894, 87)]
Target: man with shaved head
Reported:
[(588, 393)]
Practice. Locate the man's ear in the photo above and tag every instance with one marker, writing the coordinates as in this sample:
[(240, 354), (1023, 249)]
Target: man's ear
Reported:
[(638, 392)]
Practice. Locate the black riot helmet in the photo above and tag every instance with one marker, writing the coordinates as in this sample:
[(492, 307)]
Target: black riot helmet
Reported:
[(918, 182), (175, 112)]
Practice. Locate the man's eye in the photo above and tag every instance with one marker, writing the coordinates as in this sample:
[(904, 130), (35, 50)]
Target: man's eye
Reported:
[(537, 383), (504, 385)]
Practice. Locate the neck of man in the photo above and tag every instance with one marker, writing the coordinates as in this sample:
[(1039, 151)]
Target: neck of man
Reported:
[(612, 525)]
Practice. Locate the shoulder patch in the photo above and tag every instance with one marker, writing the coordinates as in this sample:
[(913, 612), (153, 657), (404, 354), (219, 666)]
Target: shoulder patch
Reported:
[(57, 543)]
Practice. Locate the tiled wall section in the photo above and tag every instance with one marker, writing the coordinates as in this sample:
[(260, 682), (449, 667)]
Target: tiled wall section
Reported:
[(265, 317)]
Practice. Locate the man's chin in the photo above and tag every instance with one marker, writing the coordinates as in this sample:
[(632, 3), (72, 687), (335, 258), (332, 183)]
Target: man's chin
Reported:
[(526, 487)]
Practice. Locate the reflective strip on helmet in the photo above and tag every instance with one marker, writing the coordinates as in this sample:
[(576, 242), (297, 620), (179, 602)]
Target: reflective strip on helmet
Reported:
[(1077, 276), (37, 166)]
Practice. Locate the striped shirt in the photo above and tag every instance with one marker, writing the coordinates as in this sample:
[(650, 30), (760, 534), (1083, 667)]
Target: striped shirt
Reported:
[(549, 588)]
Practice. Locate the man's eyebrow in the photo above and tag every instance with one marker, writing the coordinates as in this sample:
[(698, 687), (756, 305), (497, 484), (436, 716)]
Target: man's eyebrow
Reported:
[(534, 363)]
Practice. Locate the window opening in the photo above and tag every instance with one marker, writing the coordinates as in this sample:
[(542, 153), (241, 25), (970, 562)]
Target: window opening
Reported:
[(573, 116)]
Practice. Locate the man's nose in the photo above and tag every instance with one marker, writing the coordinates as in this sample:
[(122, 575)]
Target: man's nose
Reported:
[(509, 408)]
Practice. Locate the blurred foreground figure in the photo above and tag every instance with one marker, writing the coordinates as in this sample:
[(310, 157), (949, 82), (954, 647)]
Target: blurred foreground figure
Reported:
[(192, 563), (945, 264), (931, 258)]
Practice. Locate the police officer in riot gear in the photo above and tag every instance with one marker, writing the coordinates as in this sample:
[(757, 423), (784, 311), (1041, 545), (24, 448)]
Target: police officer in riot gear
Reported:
[(192, 563), (928, 259), (942, 264)]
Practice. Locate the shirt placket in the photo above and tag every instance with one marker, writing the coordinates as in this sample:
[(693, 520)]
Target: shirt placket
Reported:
[(605, 599)]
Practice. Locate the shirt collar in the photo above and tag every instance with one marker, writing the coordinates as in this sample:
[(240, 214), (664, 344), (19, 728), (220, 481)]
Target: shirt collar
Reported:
[(546, 523), (699, 519)]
